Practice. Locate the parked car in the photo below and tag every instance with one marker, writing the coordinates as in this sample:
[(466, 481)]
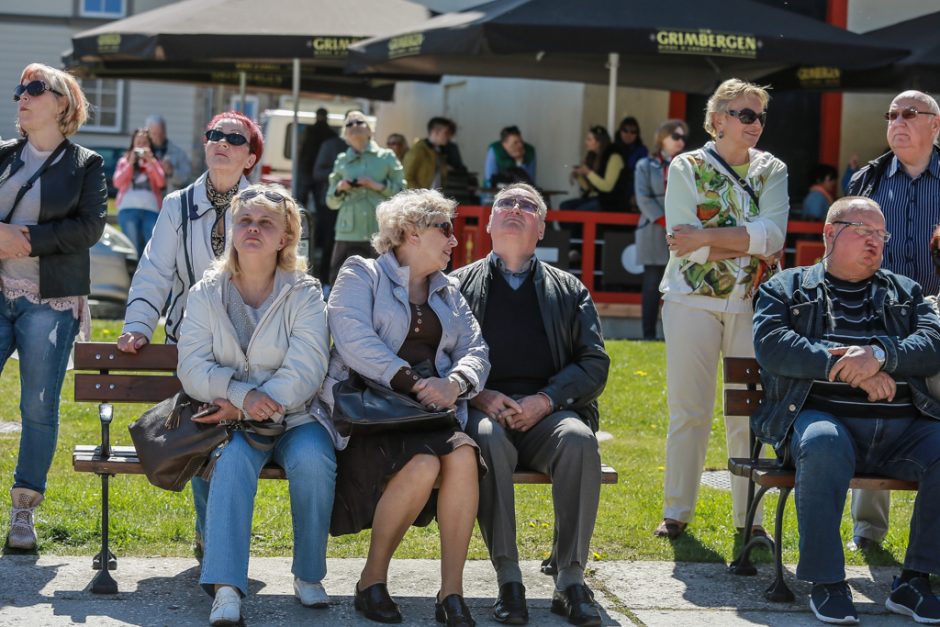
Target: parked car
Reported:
[(113, 262)]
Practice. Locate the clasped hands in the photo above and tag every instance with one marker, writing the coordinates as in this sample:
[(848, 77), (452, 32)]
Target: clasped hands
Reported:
[(858, 367), (257, 406), (515, 415)]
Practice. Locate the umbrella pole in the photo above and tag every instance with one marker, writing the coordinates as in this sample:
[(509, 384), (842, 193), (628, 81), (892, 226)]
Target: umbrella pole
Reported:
[(242, 80), (613, 63), (295, 134)]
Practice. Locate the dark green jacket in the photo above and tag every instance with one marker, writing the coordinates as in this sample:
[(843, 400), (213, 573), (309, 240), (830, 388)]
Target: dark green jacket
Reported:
[(573, 328)]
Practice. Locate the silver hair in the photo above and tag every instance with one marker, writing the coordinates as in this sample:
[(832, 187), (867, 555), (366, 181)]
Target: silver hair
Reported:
[(408, 210)]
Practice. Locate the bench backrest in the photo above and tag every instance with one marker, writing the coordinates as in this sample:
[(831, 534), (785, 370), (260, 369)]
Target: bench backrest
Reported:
[(146, 377), (742, 371)]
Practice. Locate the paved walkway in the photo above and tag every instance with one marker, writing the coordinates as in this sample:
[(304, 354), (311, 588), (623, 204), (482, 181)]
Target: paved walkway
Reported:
[(163, 591)]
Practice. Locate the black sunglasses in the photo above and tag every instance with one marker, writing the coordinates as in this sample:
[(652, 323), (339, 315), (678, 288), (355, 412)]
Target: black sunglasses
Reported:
[(249, 193), (678, 137), (34, 89), (235, 139), (447, 228), (908, 114), (748, 116), (353, 123)]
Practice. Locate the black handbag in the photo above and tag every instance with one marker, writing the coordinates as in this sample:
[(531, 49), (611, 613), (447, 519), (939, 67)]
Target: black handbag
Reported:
[(361, 405), (173, 449)]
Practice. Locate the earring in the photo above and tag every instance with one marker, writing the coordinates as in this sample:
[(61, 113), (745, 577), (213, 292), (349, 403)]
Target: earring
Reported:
[(721, 134)]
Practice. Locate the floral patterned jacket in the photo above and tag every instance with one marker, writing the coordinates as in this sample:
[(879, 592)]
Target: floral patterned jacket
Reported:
[(702, 193)]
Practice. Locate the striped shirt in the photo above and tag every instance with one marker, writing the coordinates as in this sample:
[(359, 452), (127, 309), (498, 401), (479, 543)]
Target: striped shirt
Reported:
[(912, 210), (855, 322)]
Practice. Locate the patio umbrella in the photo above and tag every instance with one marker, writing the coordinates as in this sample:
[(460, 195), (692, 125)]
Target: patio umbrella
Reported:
[(288, 33), (687, 45), (918, 70)]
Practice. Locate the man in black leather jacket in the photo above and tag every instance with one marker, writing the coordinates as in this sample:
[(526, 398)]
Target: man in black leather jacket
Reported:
[(539, 408)]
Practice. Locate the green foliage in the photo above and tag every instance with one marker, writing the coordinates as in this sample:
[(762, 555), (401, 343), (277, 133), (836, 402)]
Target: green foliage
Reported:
[(149, 521)]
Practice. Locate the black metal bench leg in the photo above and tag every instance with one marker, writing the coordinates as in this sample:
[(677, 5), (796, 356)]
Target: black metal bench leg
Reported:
[(104, 583), (778, 590), (742, 565)]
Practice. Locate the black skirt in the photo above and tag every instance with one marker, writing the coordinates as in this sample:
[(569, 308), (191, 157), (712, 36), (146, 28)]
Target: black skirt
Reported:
[(367, 463)]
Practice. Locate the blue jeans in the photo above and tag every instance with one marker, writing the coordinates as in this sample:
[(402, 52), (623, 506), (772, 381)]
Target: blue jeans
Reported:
[(137, 225), (43, 337), (306, 454), (827, 451)]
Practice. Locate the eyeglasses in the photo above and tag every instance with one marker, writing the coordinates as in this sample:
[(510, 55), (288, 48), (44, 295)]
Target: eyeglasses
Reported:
[(353, 123), (510, 202), (447, 228), (908, 114), (235, 139), (249, 193), (34, 89), (678, 137), (864, 230), (748, 116)]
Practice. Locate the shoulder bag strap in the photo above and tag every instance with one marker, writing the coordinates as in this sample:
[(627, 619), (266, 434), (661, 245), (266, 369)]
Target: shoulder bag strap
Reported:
[(28, 185), (186, 202), (740, 180)]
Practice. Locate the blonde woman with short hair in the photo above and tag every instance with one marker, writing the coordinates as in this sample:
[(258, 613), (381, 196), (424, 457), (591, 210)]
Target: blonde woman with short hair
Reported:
[(726, 217), (254, 343), (53, 200)]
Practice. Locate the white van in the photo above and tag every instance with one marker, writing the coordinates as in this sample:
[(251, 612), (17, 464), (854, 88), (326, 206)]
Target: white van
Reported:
[(277, 125)]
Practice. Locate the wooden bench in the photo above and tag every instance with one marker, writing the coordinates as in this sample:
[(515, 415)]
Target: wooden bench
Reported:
[(149, 377), (767, 474)]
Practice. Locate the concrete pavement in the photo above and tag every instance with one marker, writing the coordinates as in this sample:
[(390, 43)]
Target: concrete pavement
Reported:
[(51, 590)]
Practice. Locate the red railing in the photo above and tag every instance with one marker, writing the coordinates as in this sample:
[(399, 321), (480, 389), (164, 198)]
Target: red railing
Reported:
[(475, 243)]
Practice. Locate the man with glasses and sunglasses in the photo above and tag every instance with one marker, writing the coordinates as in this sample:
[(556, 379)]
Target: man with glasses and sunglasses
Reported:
[(844, 348), (906, 183), (539, 408)]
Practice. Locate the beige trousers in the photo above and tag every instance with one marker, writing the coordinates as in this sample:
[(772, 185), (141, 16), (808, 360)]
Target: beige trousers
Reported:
[(696, 339)]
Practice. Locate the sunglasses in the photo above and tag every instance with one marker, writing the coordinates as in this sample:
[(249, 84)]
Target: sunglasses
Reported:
[(678, 137), (510, 202), (235, 139), (447, 228), (864, 230), (748, 116), (353, 123), (908, 114), (250, 193), (34, 89)]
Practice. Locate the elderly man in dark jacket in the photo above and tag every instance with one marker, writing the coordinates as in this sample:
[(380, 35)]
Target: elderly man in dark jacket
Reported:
[(539, 408), (844, 348)]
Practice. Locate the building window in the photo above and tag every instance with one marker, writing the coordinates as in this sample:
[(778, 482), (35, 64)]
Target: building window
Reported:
[(103, 8), (106, 97), (251, 106)]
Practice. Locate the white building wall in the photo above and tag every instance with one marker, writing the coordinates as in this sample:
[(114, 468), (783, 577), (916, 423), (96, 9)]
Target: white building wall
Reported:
[(45, 8)]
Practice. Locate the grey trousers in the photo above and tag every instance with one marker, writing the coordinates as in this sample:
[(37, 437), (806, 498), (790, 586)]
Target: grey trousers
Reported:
[(870, 512), (562, 446)]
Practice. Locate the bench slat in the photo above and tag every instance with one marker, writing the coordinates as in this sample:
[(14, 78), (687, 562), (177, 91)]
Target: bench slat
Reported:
[(741, 370), (766, 473), (106, 356), (125, 388), (123, 460), (742, 402)]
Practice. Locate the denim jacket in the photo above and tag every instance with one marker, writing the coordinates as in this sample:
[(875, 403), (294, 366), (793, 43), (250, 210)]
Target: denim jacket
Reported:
[(790, 316)]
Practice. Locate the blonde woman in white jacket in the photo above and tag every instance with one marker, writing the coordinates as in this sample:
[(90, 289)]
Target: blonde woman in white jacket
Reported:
[(255, 343)]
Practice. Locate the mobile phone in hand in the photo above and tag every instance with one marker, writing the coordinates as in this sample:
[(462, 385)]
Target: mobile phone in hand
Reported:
[(207, 411)]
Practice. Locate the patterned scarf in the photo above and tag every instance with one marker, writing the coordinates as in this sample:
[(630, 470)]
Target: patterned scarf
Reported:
[(220, 202)]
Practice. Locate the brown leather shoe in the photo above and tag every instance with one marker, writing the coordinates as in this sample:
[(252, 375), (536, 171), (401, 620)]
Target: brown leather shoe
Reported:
[(670, 528)]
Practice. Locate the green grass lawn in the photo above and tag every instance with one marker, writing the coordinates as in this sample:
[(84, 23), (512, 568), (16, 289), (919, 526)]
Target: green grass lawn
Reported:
[(148, 521)]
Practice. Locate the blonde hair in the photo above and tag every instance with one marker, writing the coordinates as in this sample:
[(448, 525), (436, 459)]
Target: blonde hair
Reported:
[(411, 209), (728, 91), (356, 115), (287, 258), (75, 113)]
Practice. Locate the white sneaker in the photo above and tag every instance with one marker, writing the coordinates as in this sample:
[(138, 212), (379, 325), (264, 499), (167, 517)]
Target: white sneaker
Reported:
[(22, 528), (226, 608), (310, 594)]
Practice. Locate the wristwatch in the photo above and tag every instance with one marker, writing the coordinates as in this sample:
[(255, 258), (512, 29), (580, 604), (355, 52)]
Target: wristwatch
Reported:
[(461, 382), (879, 354)]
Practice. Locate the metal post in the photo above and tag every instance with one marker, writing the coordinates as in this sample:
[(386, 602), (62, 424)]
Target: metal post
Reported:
[(242, 79), (613, 64), (104, 583), (295, 134)]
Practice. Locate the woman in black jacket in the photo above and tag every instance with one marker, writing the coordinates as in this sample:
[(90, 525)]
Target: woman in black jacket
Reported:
[(53, 201)]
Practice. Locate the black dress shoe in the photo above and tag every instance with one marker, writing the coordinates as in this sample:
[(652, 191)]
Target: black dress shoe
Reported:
[(453, 612), (576, 603), (376, 604), (510, 607)]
